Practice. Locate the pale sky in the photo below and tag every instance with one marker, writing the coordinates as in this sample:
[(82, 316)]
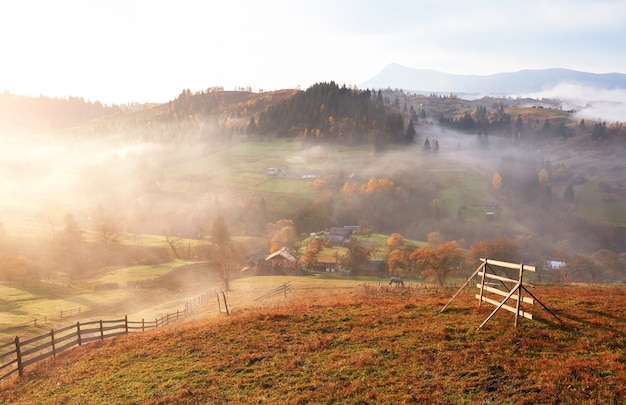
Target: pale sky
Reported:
[(150, 50)]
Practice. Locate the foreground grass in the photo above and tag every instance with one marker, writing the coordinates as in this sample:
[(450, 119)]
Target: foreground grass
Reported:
[(354, 343)]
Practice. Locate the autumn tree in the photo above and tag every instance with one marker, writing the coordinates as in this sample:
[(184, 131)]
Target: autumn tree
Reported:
[(501, 248), (357, 256), (438, 261), (395, 242), (377, 185), (398, 261), (608, 265), (579, 268), (313, 249), (397, 256), (496, 182), (282, 234), (223, 250)]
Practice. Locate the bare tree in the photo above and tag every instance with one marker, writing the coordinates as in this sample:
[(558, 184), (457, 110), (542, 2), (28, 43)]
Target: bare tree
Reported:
[(107, 228), (175, 242)]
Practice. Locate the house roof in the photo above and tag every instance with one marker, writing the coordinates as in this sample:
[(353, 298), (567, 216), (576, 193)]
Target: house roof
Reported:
[(284, 253)]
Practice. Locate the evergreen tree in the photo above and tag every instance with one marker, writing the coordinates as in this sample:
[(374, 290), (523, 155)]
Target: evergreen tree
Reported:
[(519, 125), (410, 132), (426, 147), (599, 131), (547, 128)]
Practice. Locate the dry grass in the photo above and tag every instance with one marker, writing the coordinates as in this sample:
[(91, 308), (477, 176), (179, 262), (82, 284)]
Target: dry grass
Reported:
[(354, 343)]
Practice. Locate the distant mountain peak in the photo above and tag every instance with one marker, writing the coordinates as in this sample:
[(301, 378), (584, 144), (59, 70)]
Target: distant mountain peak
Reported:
[(396, 76)]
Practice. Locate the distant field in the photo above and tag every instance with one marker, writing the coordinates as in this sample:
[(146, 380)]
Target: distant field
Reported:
[(22, 303), (601, 206)]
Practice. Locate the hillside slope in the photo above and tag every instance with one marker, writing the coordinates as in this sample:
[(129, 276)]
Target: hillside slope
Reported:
[(358, 344), (521, 82)]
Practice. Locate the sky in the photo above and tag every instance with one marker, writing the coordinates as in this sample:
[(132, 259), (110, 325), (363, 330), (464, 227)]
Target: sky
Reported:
[(150, 50)]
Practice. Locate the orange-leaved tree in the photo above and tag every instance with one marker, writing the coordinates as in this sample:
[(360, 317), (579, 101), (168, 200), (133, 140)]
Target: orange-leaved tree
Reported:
[(397, 257), (501, 248), (438, 260)]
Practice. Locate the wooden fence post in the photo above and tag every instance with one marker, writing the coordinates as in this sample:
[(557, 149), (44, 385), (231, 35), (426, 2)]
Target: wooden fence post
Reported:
[(225, 303), (18, 353), (54, 349), (219, 306), (80, 341), (126, 323), (101, 331), (519, 292), (482, 283)]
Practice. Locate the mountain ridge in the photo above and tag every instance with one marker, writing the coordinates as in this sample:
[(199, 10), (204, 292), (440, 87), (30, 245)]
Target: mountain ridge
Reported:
[(520, 82)]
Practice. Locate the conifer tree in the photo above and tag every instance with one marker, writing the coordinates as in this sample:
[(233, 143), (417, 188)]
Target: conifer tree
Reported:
[(410, 132)]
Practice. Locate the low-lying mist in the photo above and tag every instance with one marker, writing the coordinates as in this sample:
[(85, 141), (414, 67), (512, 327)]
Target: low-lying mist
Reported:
[(46, 176), (589, 102)]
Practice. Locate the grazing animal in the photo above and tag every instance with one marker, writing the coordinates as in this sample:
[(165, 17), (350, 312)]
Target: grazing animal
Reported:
[(397, 281)]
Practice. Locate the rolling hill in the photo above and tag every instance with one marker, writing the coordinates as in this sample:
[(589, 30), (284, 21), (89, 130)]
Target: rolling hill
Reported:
[(523, 82), (346, 342)]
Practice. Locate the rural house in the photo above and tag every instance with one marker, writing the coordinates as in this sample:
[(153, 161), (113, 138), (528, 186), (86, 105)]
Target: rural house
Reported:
[(282, 261), (340, 235)]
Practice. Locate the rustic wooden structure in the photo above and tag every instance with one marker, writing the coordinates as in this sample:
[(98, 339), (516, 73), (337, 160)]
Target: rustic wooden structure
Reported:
[(509, 288), (283, 289)]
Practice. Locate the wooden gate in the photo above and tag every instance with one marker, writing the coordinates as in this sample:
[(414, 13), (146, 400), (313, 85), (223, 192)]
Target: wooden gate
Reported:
[(493, 287)]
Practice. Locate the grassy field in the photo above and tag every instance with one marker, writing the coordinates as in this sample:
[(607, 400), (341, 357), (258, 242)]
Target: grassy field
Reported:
[(341, 341), (22, 303), (601, 206)]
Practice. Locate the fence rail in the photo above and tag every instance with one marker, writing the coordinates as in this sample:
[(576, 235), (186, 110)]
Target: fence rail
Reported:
[(281, 290), (18, 354)]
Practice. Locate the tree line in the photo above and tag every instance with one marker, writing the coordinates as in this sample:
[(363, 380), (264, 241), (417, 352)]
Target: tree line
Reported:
[(38, 113), (327, 112)]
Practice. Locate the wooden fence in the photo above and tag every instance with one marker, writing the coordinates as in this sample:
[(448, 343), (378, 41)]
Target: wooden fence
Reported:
[(282, 290), (18, 354), (61, 314), (65, 313), (509, 288)]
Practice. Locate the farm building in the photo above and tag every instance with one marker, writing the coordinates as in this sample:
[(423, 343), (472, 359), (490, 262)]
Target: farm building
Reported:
[(340, 235), (282, 261)]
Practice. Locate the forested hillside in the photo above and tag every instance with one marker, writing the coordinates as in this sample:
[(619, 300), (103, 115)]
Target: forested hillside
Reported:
[(386, 161), (326, 112), (22, 113)]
